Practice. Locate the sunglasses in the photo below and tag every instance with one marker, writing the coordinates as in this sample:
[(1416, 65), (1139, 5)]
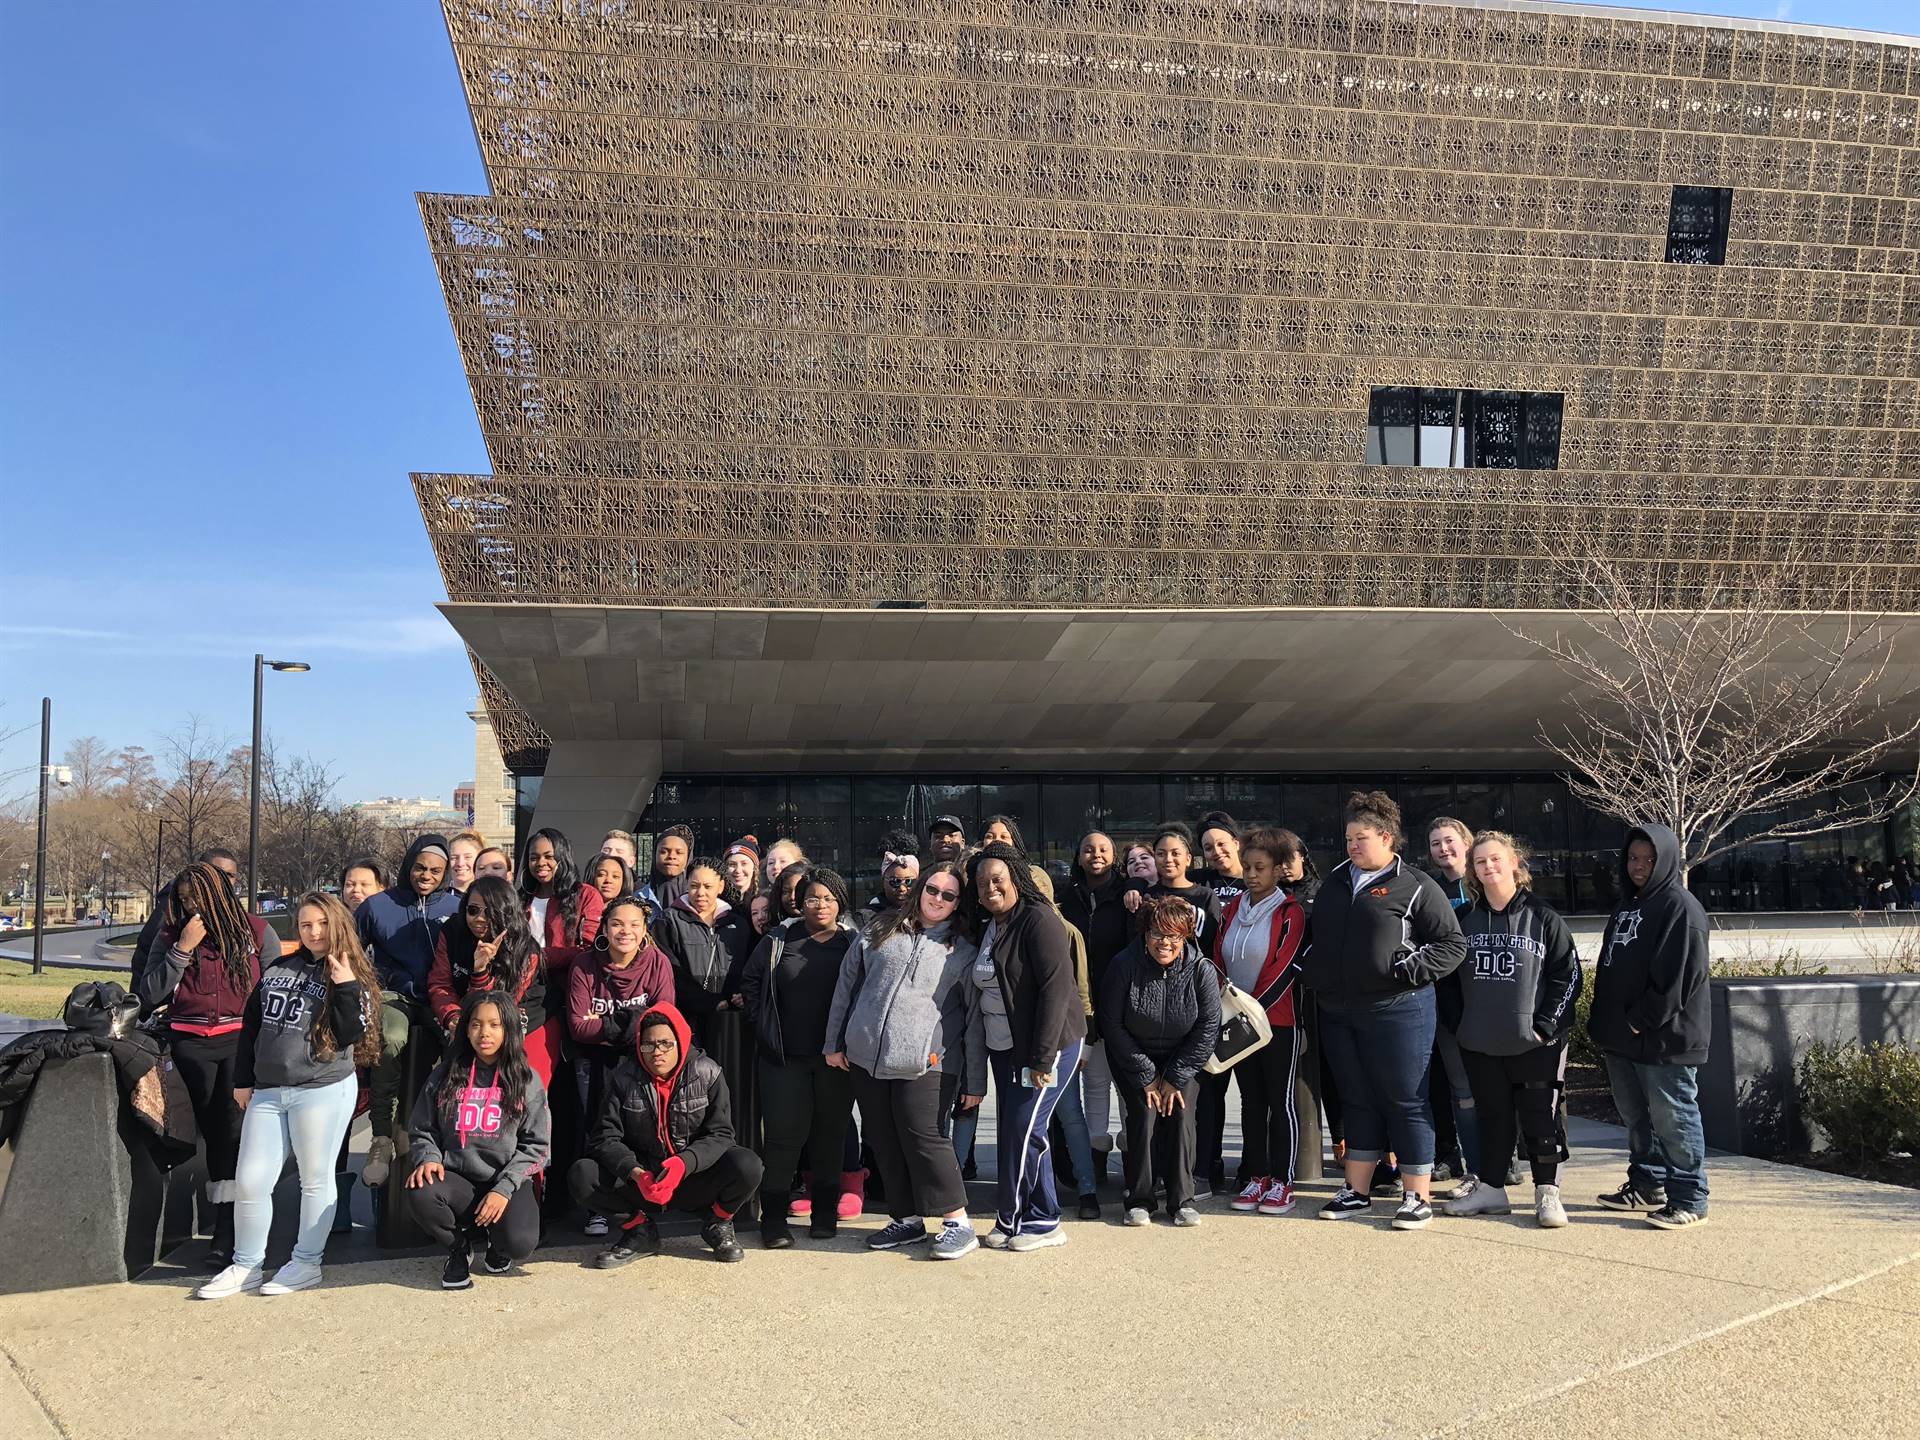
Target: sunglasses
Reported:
[(949, 896)]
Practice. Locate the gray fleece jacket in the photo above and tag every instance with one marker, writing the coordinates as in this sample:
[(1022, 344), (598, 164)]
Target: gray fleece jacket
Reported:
[(494, 1151), (901, 1007)]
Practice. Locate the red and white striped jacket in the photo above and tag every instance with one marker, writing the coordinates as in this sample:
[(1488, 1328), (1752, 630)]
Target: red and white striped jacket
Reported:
[(1286, 935)]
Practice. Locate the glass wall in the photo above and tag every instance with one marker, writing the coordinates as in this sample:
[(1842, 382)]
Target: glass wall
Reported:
[(842, 820)]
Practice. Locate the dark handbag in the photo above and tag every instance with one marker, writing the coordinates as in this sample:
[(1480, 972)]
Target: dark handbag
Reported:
[(102, 1007)]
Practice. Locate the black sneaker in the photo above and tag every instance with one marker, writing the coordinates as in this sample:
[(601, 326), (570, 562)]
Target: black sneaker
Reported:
[(459, 1272), (722, 1241), (1089, 1207), (494, 1262), (1413, 1214), (632, 1242), (1344, 1203), (774, 1233), (1386, 1180), (1628, 1198), (824, 1225), (970, 1170), (910, 1230), (1672, 1217)]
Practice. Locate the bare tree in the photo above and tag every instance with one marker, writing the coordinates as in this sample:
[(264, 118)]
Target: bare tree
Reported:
[(92, 765), (296, 836), (202, 795), (1733, 712)]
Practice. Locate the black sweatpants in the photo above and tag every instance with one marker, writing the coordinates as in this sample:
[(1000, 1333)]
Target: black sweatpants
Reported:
[(1527, 1087), (446, 1206), (803, 1102), (1269, 1119), (917, 1166), (205, 1066), (1210, 1126), (721, 1188), (1159, 1145)]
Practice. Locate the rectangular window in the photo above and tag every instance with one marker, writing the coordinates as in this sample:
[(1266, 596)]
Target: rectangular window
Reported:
[(1463, 429), (1697, 223)]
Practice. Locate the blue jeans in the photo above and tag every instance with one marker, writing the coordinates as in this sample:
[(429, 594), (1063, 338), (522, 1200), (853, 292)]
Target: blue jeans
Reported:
[(312, 1122), (1073, 1120), (1025, 1199), (1666, 1144), (1380, 1052)]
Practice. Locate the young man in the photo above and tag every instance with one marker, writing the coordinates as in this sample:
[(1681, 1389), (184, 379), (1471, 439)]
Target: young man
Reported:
[(640, 1164), (400, 927), (620, 842), (946, 839), (1652, 1020)]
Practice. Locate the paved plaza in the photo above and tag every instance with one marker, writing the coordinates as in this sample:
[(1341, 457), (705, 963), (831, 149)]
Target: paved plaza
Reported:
[(1795, 1312)]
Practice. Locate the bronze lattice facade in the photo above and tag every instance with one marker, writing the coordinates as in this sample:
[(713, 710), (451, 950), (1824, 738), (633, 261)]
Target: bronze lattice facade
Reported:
[(1001, 303)]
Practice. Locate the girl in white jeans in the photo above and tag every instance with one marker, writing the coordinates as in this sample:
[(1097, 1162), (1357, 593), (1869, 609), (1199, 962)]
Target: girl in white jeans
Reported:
[(311, 1019)]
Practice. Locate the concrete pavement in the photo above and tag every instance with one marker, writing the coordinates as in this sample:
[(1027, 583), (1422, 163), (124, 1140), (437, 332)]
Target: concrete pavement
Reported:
[(1796, 1311)]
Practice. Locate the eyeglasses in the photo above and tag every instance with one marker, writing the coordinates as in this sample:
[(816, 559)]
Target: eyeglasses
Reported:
[(659, 1046), (949, 897)]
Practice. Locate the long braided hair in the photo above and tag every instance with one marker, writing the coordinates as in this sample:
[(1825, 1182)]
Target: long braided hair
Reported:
[(202, 890)]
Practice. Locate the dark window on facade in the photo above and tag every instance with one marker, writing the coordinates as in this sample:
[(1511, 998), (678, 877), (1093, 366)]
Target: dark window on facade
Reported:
[(1697, 224), (1463, 429)]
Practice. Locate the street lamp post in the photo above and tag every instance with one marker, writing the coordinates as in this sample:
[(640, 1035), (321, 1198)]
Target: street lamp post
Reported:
[(159, 840), (260, 666), (40, 845), (106, 886)]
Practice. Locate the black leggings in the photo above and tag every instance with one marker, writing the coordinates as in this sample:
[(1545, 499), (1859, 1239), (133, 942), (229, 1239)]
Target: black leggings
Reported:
[(445, 1207), (918, 1168), (1159, 1145), (205, 1066), (1526, 1086), (1269, 1122)]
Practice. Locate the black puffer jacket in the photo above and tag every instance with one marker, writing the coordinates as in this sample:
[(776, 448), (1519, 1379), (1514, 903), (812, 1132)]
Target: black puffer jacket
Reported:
[(706, 958), (699, 1128), (1159, 1021), (1102, 917)]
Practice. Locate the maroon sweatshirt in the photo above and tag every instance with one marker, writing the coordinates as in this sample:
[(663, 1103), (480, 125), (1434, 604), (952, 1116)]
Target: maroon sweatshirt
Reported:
[(604, 1002)]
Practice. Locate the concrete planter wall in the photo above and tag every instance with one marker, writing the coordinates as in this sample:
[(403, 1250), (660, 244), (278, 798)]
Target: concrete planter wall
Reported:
[(1761, 1030)]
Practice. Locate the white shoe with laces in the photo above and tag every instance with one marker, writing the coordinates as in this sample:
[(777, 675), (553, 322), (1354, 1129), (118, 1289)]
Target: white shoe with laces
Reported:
[(230, 1282), (292, 1276), (1547, 1209)]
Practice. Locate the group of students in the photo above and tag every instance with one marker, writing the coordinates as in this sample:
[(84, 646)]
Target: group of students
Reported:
[(715, 1025)]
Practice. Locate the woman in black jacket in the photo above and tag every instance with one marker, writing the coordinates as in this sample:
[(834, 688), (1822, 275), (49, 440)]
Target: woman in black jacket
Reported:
[(1029, 1028), (1093, 902), (1380, 933), (1160, 1014), (788, 987), (1517, 992), (708, 942)]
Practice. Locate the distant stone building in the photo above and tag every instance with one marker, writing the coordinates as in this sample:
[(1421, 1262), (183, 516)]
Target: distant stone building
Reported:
[(490, 795)]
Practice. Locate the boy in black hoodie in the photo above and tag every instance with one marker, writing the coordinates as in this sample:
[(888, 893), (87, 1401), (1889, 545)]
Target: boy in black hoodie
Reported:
[(1652, 1020)]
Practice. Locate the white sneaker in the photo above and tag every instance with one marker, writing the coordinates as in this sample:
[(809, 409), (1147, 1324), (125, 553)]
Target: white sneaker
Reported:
[(230, 1282), (1547, 1209), (1483, 1199), (996, 1238), (379, 1161), (292, 1276), (1028, 1240), (1251, 1194)]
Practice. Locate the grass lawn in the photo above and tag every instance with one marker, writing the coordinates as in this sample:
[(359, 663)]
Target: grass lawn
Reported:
[(42, 997)]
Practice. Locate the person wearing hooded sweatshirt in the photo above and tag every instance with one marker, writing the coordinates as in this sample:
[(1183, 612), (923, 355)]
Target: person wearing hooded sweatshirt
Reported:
[(1161, 1016), (898, 1022), (1652, 1021), (480, 1133), (803, 1100), (1379, 935), (312, 1017), (400, 927), (663, 1139), (1517, 992), (1094, 904), (667, 879), (1456, 1121)]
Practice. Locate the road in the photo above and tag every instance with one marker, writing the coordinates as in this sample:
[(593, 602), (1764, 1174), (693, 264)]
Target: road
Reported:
[(71, 949)]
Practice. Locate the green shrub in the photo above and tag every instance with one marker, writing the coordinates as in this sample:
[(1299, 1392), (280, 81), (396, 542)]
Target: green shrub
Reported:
[(1581, 1050), (1782, 966), (1865, 1097)]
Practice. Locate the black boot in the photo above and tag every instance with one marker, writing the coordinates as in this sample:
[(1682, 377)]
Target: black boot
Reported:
[(220, 1252), (343, 1203), (774, 1233), (720, 1238)]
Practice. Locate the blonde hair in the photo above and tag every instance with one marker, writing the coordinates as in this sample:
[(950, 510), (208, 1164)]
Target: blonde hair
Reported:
[(479, 840), (1522, 876), (343, 940)]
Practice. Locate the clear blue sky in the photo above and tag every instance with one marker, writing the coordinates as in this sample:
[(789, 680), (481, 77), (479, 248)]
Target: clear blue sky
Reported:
[(224, 351)]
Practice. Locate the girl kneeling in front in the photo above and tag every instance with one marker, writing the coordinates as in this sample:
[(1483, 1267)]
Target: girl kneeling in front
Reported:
[(480, 1132), (312, 1018)]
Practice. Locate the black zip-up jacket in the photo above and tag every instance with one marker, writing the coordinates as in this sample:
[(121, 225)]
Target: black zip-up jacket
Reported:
[(1521, 978), (1102, 918), (706, 958), (1160, 1021), (1033, 959), (760, 982), (698, 1126), (1651, 1000), (1398, 934)]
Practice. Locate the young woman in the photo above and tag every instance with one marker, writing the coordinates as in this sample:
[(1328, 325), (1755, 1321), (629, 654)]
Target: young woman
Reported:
[(610, 985), (1262, 932), (203, 966), (1074, 1139), (361, 878), (1140, 864), (740, 864), (783, 855), (463, 848), (1517, 992), (1299, 876), (494, 861), (1028, 1027), (562, 911), (760, 909), (313, 1016), (1003, 830), (480, 1133), (1380, 934), (667, 880), (1456, 1127), (1093, 901), (789, 987), (612, 877), (1160, 1016), (898, 1020), (1220, 848), (708, 942), (489, 947)]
